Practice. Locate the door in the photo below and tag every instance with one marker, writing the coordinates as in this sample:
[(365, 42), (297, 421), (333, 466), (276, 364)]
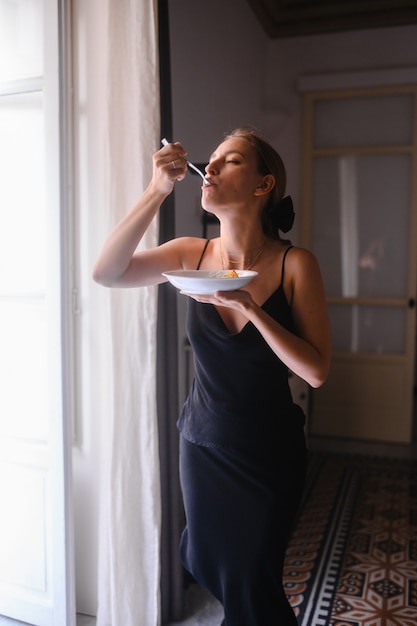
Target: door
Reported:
[(361, 222), (35, 538)]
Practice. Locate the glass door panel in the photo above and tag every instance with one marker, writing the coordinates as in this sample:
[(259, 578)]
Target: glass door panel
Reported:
[(22, 195), (23, 267), (370, 329), (345, 122), (21, 39), (361, 224)]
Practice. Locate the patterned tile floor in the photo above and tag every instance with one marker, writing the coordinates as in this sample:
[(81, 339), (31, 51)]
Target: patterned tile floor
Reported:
[(378, 579), (352, 560)]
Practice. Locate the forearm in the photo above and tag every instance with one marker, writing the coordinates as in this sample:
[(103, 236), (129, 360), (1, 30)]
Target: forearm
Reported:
[(119, 247), (309, 362)]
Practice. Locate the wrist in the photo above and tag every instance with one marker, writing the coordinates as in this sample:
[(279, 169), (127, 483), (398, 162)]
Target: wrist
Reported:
[(157, 193)]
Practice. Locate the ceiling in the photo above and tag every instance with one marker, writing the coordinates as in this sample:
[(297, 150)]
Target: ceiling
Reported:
[(291, 18)]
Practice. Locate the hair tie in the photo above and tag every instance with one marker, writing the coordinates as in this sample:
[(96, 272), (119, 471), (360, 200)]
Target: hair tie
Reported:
[(285, 214)]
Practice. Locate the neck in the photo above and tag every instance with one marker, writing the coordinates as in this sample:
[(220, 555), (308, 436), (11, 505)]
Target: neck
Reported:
[(244, 260)]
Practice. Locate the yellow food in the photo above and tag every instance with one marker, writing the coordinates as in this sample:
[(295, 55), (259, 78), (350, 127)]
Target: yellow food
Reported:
[(231, 274)]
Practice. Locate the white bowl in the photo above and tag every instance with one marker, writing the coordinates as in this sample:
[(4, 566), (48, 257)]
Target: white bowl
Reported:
[(208, 281)]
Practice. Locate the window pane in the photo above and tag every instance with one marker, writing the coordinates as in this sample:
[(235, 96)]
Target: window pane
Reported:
[(22, 195), (23, 269), (342, 123), (361, 222), (369, 329), (21, 36), (23, 368)]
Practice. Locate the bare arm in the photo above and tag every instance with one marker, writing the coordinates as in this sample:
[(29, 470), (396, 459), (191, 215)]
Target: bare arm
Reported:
[(118, 263), (307, 352)]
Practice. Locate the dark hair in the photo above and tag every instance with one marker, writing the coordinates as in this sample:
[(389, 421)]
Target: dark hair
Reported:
[(277, 212)]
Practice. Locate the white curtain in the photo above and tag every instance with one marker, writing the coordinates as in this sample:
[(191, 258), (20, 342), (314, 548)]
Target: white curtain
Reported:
[(125, 351)]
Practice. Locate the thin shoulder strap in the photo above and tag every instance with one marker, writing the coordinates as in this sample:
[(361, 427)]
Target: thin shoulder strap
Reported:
[(202, 254), (283, 263)]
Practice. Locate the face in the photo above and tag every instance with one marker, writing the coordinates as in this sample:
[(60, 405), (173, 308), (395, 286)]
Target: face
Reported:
[(232, 174)]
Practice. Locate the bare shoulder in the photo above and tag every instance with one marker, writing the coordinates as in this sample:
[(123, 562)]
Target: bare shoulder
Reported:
[(191, 243), (184, 243), (303, 276), (187, 249), (301, 260)]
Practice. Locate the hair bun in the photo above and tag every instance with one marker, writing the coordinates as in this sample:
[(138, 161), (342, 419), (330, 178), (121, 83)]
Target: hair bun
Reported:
[(285, 214)]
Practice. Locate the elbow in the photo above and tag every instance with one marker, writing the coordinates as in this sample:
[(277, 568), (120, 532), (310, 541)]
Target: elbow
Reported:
[(317, 381), (314, 378), (320, 376), (101, 277)]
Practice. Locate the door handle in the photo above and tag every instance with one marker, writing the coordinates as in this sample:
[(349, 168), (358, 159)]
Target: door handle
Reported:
[(411, 303)]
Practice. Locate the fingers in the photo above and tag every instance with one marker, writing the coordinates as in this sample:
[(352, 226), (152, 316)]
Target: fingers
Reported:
[(230, 299), (172, 160)]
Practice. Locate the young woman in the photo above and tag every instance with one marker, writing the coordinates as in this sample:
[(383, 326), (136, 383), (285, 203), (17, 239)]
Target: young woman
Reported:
[(242, 446)]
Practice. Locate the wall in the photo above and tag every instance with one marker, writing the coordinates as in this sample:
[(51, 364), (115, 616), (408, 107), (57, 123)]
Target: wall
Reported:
[(227, 72), (218, 53)]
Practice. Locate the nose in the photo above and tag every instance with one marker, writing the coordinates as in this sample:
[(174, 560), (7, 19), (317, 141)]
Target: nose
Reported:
[(212, 167)]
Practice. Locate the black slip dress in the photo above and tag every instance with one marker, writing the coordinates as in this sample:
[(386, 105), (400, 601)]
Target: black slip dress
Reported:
[(242, 465)]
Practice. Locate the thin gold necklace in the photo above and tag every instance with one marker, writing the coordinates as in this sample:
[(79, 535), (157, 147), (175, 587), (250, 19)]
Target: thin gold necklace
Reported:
[(247, 263)]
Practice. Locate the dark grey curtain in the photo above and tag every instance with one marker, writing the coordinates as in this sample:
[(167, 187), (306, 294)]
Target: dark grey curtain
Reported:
[(172, 575)]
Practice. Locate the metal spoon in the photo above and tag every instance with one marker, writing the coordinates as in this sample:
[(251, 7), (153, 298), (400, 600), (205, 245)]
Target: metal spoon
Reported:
[(165, 142)]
